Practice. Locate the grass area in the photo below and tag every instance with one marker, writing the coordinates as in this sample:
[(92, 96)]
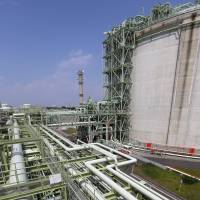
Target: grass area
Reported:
[(170, 180), (193, 172)]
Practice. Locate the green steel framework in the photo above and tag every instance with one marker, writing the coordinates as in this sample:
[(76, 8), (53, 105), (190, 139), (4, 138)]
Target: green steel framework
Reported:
[(40, 165), (38, 170), (119, 48)]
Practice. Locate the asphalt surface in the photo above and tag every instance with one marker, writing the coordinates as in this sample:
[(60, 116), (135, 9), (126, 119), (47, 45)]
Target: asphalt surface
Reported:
[(176, 163)]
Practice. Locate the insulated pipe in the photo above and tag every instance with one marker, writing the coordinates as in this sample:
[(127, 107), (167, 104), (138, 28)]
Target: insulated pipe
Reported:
[(134, 183), (29, 119), (17, 165), (80, 141), (143, 189), (151, 192), (117, 152), (50, 147), (84, 146), (104, 152), (73, 123), (78, 147), (109, 181), (59, 136), (85, 185)]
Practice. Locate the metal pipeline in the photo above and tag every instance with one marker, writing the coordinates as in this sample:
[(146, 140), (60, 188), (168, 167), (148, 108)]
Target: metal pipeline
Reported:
[(151, 194), (79, 147), (87, 186), (59, 136), (88, 164), (108, 180), (111, 155), (134, 183), (17, 164), (72, 124)]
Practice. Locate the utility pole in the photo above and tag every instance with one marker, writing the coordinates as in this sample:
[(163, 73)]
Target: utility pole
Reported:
[(80, 81)]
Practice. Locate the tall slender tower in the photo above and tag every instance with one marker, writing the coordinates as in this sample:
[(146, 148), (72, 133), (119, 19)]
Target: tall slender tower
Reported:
[(80, 81)]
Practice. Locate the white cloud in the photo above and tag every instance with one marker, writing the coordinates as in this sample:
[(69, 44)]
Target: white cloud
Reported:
[(76, 60), (60, 87)]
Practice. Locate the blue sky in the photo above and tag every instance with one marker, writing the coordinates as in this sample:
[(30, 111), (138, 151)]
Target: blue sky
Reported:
[(43, 43)]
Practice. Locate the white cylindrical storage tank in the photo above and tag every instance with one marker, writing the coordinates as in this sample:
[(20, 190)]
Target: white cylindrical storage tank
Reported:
[(165, 94)]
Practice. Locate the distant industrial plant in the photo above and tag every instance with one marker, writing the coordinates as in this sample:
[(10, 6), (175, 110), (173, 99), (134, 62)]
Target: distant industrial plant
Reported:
[(141, 141)]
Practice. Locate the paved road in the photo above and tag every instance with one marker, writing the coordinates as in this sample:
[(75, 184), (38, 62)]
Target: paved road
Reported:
[(176, 163)]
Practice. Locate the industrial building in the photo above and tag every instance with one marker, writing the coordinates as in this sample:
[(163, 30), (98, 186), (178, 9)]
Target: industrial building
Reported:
[(150, 111), (39, 163), (152, 72), (166, 76)]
